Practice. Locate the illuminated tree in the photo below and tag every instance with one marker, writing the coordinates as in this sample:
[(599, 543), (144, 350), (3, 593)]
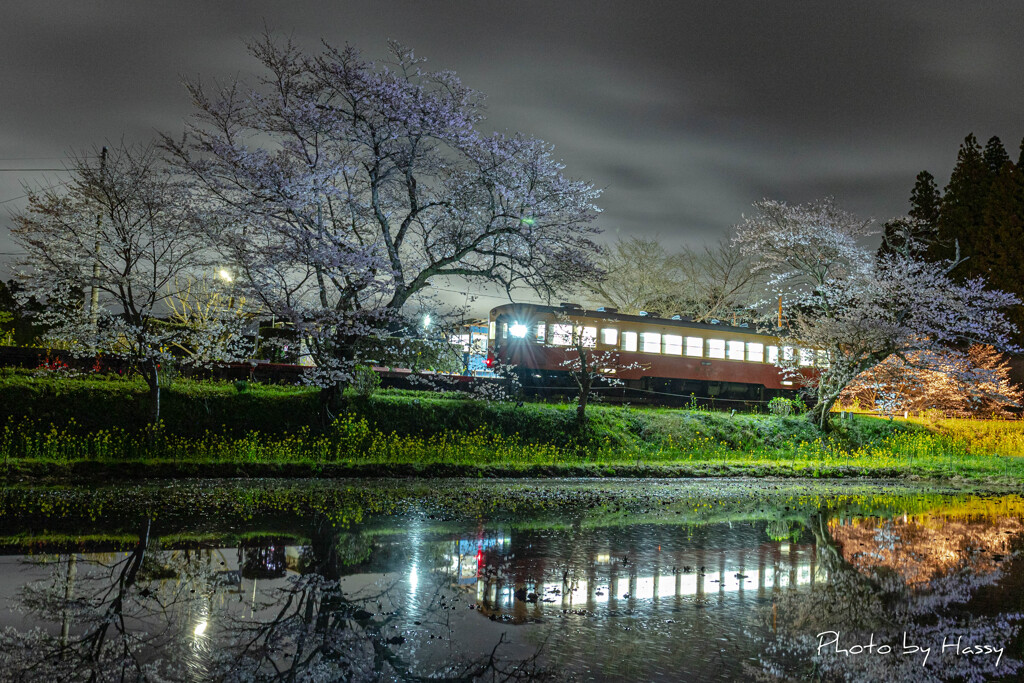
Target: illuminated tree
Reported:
[(104, 255), (857, 309), (338, 189), (965, 384)]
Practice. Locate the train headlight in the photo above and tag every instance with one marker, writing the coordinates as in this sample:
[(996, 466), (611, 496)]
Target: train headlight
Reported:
[(517, 330)]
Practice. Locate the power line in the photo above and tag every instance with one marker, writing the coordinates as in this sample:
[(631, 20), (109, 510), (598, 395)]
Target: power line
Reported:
[(32, 170), (22, 196)]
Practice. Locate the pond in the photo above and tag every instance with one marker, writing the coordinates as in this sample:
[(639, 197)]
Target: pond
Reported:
[(584, 580)]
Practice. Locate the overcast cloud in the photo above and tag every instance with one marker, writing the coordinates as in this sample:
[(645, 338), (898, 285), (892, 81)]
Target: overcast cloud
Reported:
[(686, 112)]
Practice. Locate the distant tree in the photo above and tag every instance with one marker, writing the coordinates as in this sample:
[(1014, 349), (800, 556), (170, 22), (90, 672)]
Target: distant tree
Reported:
[(995, 155), (102, 257), (636, 274), (925, 200), (639, 274), (341, 189), (858, 309)]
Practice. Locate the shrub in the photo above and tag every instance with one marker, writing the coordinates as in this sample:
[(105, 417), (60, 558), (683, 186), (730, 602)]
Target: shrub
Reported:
[(365, 381), (784, 407)]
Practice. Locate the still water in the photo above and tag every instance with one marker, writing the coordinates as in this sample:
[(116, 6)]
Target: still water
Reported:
[(700, 580)]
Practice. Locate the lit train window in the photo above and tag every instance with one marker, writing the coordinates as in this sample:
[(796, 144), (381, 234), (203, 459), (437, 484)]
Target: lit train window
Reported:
[(716, 348), (490, 330), (736, 350), (695, 346), (822, 359), (755, 352), (504, 330), (806, 357), (588, 335), (541, 331), (787, 353), (629, 341), (609, 335), (561, 335), (773, 354), (651, 342), (673, 344)]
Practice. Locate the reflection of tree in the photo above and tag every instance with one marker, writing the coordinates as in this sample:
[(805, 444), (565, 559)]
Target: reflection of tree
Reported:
[(867, 593), (148, 615)]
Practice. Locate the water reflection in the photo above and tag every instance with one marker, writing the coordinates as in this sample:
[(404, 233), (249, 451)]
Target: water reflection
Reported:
[(643, 597)]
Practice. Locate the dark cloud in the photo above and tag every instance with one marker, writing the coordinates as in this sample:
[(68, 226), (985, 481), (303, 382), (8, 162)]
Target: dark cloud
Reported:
[(685, 112)]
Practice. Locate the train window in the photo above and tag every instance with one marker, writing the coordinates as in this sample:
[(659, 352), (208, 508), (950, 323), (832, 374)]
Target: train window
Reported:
[(504, 330), (787, 353), (561, 335), (673, 344), (716, 348), (629, 341), (773, 354), (695, 346), (651, 342), (735, 350), (755, 352), (542, 329), (806, 357), (490, 330), (588, 335), (822, 359), (609, 335)]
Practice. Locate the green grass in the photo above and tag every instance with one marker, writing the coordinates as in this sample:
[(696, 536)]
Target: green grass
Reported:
[(68, 423)]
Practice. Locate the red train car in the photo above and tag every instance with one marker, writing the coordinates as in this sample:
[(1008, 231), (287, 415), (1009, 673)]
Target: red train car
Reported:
[(677, 357)]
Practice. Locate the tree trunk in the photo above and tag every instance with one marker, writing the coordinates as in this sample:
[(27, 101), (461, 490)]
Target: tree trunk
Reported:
[(581, 407), (151, 373), (822, 410)]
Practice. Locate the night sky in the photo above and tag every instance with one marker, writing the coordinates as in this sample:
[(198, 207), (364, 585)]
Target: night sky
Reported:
[(685, 112)]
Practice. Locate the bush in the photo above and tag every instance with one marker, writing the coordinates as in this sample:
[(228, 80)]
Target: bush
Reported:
[(784, 407), (365, 381)]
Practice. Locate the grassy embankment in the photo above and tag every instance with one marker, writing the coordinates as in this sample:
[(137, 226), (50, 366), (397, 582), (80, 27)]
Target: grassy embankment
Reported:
[(92, 426)]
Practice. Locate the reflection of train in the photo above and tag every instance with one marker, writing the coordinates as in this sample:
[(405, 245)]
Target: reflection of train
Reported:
[(674, 357)]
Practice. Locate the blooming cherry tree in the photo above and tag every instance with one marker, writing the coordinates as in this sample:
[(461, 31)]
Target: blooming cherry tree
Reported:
[(105, 254), (858, 308), (339, 189)]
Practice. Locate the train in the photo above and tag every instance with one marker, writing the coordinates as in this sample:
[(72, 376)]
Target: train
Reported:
[(670, 360)]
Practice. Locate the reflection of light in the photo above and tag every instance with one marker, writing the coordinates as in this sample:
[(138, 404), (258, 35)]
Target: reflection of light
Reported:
[(414, 578), (200, 628)]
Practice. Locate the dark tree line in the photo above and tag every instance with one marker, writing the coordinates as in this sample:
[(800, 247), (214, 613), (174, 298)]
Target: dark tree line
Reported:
[(981, 213)]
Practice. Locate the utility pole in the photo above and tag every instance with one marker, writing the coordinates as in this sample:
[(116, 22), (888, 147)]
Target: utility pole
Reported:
[(94, 299)]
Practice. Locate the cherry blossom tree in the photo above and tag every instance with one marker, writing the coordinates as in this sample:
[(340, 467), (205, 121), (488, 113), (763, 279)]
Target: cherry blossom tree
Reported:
[(104, 255), (588, 366), (339, 189), (857, 308), (975, 382)]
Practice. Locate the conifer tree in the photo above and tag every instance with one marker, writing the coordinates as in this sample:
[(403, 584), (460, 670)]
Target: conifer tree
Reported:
[(962, 209), (995, 155)]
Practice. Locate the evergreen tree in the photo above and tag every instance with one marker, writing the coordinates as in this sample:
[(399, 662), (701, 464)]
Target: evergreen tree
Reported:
[(961, 212), (995, 155), (1001, 256), (925, 199)]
